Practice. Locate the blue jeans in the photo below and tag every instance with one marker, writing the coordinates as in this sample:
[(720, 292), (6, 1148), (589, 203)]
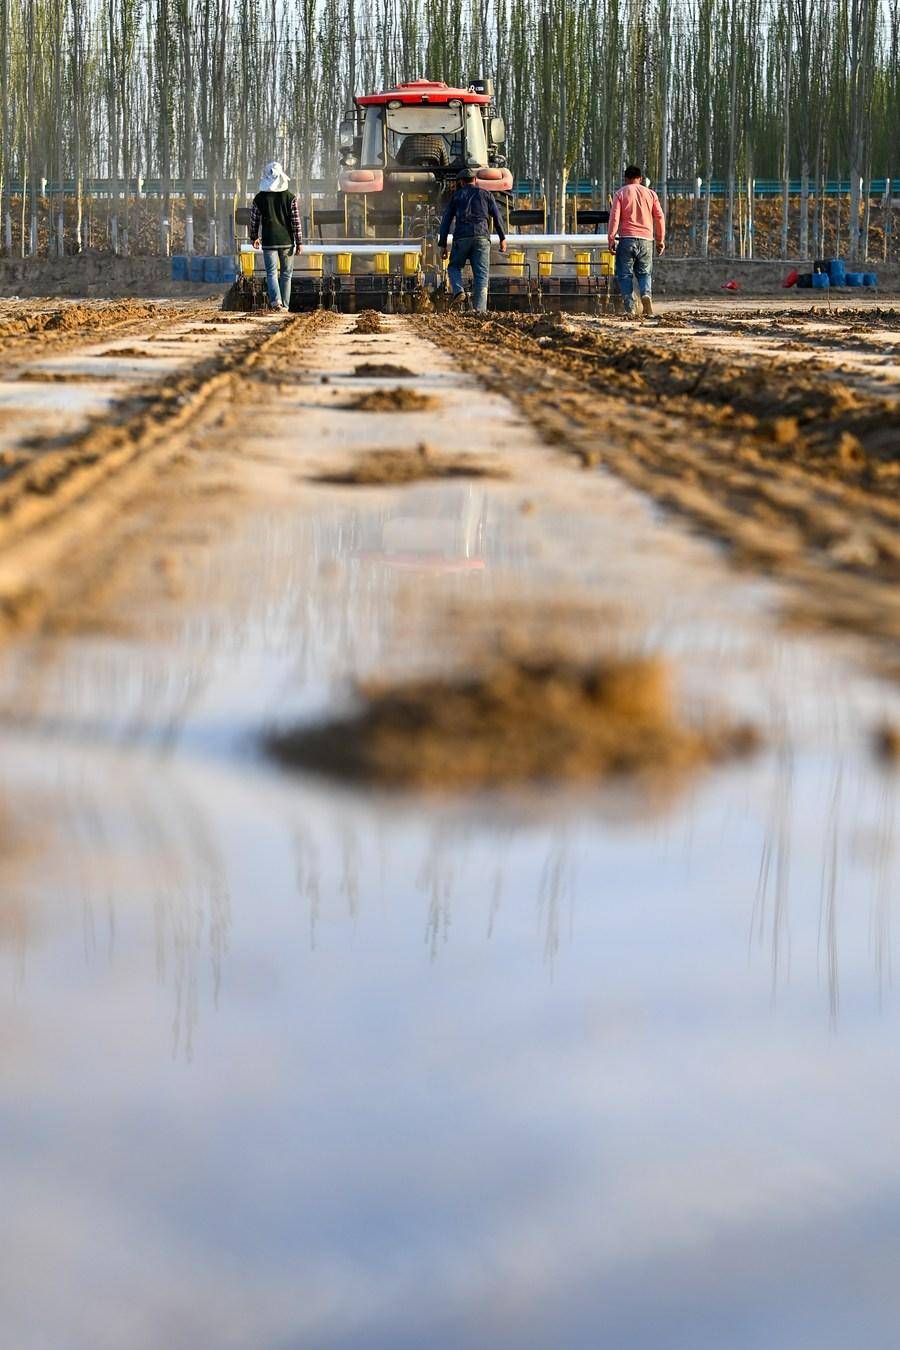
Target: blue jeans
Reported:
[(476, 249), (279, 269), (634, 258)]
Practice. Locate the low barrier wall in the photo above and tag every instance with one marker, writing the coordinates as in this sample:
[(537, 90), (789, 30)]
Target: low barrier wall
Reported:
[(98, 275)]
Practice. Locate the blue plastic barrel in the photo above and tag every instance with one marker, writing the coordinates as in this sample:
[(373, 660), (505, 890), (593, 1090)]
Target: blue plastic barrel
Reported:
[(227, 270), (854, 278), (212, 269), (820, 280), (180, 270), (197, 265), (836, 272), (870, 278)]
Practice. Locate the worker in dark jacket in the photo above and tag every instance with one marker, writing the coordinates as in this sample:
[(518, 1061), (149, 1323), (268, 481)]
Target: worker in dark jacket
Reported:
[(471, 211), (275, 223)]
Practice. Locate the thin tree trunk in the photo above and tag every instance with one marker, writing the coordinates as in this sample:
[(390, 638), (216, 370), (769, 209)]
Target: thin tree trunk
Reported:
[(23, 200), (78, 99), (665, 39), (4, 123), (786, 145), (704, 250), (732, 134), (751, 212), (888, 216), (30, 56), (113, 131)]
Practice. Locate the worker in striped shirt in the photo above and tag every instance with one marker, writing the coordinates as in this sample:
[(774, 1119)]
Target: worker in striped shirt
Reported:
[(275, 225)]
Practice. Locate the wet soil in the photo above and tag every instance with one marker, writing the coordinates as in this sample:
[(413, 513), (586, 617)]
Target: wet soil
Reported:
[(416, 465), (887, 743), (688, 315), (57, 491), (381, 370), (30, 330), (131, 353), (795, 470), (69, 317), (398, 399), (539, 719), (368, 322), (48, 376), (800, 416)]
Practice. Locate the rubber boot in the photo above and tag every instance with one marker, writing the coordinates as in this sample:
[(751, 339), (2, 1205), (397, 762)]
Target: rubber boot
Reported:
[(647, 306)]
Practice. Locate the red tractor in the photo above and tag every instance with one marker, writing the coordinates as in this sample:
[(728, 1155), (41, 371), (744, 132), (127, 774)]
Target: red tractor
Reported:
[(402, 151)]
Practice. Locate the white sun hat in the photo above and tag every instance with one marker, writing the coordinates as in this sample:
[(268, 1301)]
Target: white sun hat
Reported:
[(274, 178)]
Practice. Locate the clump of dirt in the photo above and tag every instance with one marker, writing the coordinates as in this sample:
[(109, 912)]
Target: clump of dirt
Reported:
[(554, 329), (519, 720), (406, 466), (98, 316), (72, 316), (887, 743), (368, 321), (385, 370), (393, 400), (59, 376), (129, 353)]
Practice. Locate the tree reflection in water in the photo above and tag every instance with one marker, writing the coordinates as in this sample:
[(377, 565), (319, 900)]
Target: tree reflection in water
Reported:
[(131, 839)]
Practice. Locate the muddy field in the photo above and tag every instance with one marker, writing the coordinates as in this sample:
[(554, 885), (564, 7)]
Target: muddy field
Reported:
[(773, 428), (448, 831)]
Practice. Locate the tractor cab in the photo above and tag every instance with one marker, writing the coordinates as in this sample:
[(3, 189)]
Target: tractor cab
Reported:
[(415, 139)]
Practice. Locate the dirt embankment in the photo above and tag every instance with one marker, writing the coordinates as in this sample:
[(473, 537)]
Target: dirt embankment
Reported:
[(795, 470)]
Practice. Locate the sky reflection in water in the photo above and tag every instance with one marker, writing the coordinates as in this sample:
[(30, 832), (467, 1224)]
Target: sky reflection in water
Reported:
[(290, 1067), (338, 1073)]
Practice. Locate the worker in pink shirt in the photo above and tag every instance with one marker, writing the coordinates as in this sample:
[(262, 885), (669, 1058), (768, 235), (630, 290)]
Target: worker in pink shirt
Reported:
[(636, 218)]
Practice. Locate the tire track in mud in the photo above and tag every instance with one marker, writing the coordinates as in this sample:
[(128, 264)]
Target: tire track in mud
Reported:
[(55, 505), (829, 528), (857, 347), (30, 334)]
